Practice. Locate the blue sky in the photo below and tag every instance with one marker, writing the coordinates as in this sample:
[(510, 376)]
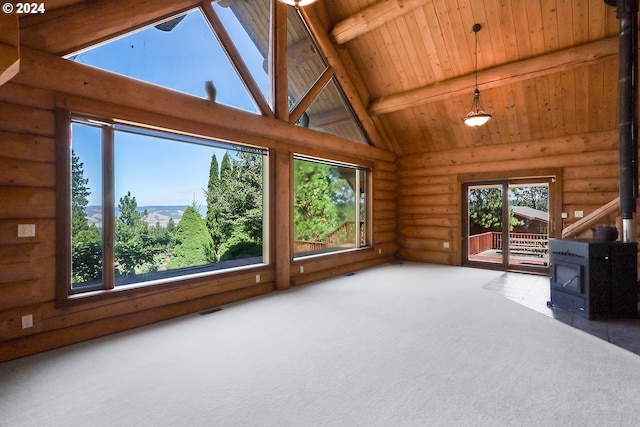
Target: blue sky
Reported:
[(161, 172)]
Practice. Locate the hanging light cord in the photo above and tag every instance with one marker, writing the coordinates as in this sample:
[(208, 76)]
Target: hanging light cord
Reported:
[(476, 34)]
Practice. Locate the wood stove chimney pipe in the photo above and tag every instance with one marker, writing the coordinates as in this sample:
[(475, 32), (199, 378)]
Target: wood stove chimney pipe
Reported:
[(627, 14)]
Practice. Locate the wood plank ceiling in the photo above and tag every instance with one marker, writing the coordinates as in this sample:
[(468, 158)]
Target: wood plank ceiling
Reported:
[(547, 68)]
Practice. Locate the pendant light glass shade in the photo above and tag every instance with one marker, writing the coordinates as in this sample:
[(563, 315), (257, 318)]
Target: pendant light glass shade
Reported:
[(477, 116), (298, 3)]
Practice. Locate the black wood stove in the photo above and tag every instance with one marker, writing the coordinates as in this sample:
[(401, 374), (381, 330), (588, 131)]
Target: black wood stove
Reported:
[(596, 279)]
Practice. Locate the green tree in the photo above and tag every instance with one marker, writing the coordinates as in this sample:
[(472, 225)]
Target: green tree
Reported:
[(315, 215), (234, 205), (163, 242), (86, 239), (485, 209), (533, 196), (243, 237), (193, 242), (80, 193), (86, 255), (226, 171), (246, 194), (217, 205), (342, 192), (133, 242)]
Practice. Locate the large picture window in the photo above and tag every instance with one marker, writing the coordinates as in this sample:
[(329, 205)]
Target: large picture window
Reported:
[(330, 207), (151, 206)]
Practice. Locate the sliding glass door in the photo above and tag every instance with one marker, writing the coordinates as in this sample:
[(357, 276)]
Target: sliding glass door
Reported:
[(507, 224)]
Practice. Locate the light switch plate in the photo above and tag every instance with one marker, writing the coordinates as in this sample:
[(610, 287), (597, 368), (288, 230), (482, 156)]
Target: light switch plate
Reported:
[(26, 230)]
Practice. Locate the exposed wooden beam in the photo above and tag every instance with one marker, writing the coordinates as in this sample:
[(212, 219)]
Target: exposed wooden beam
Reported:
[(306, 100), (85, 24), (226, 123), (283, 213), (372, 17), (279, 85), (345, 76), (499, 76)]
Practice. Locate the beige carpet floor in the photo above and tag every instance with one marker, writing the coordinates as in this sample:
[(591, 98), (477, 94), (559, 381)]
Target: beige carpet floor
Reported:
[(398, 345)]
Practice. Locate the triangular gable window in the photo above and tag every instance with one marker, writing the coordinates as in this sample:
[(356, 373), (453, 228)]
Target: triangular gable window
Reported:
[(250, 36), (330, 113), (181, 53), (227, 43), (304, 63)]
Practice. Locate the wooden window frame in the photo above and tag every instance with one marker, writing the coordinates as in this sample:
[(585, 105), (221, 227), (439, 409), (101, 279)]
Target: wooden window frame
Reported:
[(368, 216), (65, 295)]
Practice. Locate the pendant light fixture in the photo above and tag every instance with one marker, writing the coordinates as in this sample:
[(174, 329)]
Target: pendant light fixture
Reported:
[(477, 116)]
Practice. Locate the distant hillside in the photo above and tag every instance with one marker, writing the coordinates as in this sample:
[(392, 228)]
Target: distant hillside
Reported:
[(156, 214)]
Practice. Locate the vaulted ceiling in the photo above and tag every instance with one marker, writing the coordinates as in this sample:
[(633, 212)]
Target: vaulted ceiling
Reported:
[(547, 68)]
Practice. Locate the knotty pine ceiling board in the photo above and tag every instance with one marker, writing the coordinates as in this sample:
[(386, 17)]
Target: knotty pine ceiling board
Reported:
[(506, 100), (454, 37), (415, 46), (568, 96), (581, 85), (554, 82), (403, 52), (431, 58)]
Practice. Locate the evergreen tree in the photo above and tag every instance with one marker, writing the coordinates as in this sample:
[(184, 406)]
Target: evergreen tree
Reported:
[(342, 193), (133, 242), (234, 206), (226, 171), (227, 216), (193, 242), (315, 215), (243, 238), (86, 240), (79, 195), (533, 196), (215, 204), (246, 195)]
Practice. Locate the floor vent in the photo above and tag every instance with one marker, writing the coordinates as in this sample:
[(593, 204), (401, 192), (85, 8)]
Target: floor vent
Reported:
[(211, 310)]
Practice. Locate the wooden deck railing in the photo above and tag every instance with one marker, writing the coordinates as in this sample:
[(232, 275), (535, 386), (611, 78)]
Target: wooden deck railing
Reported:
[(530, 243), (343, 236)]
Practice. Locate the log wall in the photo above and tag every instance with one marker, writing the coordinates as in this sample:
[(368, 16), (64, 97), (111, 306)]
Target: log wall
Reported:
[(429, 186), (28, 196)]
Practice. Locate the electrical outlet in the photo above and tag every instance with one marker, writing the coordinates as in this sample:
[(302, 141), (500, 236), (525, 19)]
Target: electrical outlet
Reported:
[(578, 214), (565, 215), (302, 269), (379, 251), (27, 321), (26, 230), (257, 278), (445, 245)]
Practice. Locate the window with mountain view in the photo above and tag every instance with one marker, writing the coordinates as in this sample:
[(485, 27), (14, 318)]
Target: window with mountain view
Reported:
[(330, 207), (148, 206)]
